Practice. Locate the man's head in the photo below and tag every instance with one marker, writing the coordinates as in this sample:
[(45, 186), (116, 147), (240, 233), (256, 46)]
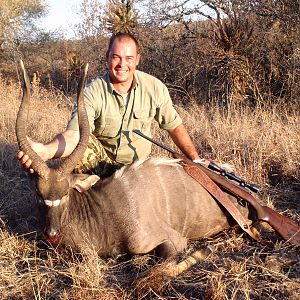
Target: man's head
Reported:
[(122, 57)]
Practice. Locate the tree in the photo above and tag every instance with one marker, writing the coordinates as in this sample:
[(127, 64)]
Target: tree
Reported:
[(91, 15), (17, 26), (121, 17), (91, 43), (17, 16), (235, 51)]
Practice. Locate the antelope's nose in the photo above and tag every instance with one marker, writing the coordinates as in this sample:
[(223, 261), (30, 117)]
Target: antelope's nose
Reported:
[(51, 234)]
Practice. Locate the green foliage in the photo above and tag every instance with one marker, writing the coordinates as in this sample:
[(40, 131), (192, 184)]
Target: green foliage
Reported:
[(16, 15), (121, 17)]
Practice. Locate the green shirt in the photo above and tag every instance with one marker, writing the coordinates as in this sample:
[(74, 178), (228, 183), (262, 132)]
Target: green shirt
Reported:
[(112, 120)]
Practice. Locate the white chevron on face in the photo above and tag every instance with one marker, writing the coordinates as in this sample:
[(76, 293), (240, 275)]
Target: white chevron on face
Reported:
[(52, 203)]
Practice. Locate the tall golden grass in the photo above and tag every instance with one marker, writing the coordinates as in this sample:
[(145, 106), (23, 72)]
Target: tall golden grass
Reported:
[(264, 147)]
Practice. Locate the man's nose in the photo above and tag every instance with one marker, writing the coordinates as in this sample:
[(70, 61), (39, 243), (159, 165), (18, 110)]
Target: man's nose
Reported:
[(122, 62)]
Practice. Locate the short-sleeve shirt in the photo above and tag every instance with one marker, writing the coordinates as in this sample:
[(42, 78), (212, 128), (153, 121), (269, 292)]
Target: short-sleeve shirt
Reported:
[(112, 119)]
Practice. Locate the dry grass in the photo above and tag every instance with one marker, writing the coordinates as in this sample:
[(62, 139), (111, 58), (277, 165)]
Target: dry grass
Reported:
[(263, 145)]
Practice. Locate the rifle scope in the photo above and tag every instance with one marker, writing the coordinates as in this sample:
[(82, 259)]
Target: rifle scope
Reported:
[(251, 186)]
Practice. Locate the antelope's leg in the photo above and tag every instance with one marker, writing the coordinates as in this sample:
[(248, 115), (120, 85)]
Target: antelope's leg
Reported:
[(193, 259)]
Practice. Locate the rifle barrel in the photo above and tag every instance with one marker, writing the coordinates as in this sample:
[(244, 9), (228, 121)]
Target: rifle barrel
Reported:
[(153, 141)]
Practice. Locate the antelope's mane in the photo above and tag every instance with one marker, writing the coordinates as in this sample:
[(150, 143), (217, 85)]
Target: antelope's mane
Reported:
[(151, 161)]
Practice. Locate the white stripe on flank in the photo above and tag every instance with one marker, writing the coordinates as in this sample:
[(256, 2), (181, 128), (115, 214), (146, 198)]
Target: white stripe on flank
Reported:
[(52, 202)]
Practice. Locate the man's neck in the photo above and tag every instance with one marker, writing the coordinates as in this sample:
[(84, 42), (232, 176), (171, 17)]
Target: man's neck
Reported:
[(122, 87)]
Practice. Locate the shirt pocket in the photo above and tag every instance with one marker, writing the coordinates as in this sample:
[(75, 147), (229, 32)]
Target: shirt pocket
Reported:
[(110, 126), (142, 118)]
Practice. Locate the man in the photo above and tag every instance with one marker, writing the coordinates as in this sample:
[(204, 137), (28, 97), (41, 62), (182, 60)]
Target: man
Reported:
[(122, 100)]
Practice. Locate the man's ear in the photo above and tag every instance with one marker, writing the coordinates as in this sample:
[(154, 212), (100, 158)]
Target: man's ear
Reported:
[(107, 55), (138, 58), (83, 182)]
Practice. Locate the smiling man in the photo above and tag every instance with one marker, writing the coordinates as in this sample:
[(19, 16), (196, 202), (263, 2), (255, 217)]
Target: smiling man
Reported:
[(122, 59), (123, 99)]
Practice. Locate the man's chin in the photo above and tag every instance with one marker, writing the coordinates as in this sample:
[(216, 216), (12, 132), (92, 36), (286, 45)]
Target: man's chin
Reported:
[(120, 78)]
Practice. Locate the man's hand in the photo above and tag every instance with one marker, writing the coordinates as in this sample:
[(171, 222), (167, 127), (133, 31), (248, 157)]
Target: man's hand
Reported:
[(227, 167), (205, 162), (201, 161), (38, 148), (61, 146)]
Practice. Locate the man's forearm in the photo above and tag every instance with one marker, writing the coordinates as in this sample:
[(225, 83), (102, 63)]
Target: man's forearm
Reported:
[(63, 144), (183, 141)]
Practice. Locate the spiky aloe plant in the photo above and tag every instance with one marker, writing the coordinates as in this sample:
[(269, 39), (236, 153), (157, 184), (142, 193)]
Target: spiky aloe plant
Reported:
[(121, 17), (234, 40)]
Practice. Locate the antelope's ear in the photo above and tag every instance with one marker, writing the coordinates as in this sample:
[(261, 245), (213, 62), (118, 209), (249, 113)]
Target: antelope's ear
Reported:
[(82, 182)]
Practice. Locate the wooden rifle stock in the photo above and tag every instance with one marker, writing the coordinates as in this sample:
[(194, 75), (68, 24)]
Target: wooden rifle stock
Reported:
[(284, 226)]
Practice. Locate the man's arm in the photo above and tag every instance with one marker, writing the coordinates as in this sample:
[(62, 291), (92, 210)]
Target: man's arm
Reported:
[(183, 141), (61, 146)]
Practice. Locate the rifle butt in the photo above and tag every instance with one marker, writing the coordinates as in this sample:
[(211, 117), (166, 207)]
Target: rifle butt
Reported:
[(284, 226)]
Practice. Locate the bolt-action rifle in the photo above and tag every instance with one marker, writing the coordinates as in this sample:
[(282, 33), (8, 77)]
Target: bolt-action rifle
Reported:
[(284, 226)]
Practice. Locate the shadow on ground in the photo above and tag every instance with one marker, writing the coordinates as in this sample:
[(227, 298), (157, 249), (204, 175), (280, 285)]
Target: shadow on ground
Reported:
[(17, 194)]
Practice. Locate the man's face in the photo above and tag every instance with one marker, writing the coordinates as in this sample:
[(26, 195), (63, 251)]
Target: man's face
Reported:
[(122, 61)]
